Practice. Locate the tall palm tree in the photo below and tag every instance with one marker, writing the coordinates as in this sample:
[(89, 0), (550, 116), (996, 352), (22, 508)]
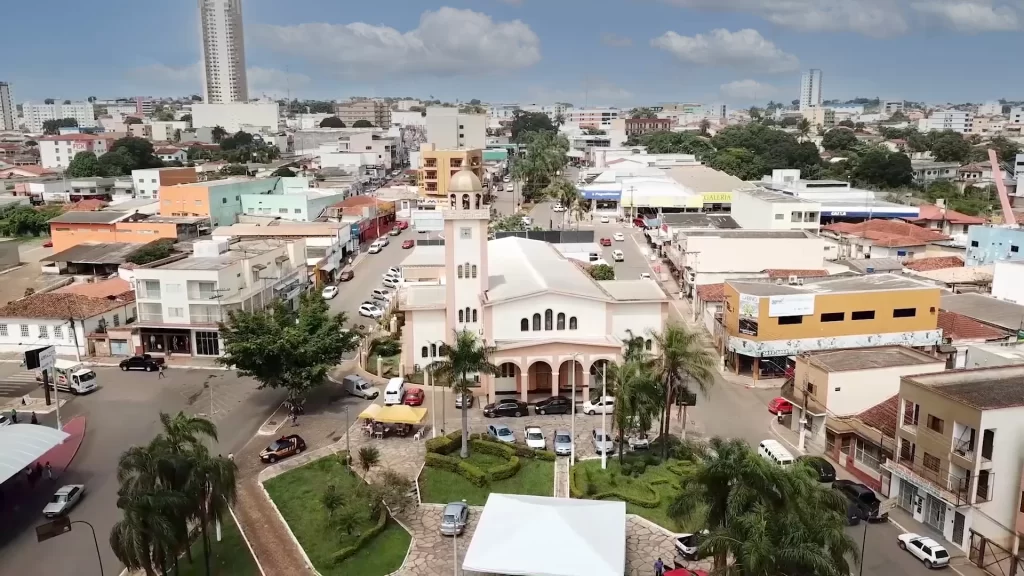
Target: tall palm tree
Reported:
[(211, 485), (565, 193), (218, 133), (681, 361), (637, 397), (803, 127), (705, 127), (465, 357), (184, 432)]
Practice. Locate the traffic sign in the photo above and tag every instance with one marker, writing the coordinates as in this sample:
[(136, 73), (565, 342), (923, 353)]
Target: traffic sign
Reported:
[(47, 356)]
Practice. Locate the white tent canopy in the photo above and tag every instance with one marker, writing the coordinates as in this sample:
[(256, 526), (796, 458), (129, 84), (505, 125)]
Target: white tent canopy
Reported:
[(23, 444), (594, 531)]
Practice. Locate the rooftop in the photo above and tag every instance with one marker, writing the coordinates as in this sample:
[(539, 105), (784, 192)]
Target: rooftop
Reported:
[(102, 289), (79, 137), (626, 290), (987, 309), (979, 388), (280, 228), (882, 417), (873, 265), (64, 305), (95, 253), (773, 196), (959, 327), (97, 217), (872, 283), (702, 179), (236, 252), (521, 267), (936, 263), (698, 220), (711, 292), (761, 234), (933, 212), (787, 272), (891, 233), (425, 256), (927, 164), (844, 360)]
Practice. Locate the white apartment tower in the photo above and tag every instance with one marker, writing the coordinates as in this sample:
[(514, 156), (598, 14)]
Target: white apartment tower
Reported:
[(224, 79), (810, 89), (7, 112)]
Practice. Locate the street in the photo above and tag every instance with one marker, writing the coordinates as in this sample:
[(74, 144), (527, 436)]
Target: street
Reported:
[(368, 272)]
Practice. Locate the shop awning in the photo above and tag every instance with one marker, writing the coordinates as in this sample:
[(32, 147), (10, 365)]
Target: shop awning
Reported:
[(371, 412), (328, 267), (23, 444), (400, 414)]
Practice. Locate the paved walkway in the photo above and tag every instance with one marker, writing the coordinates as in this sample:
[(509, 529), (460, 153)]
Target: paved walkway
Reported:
[(561, 477)]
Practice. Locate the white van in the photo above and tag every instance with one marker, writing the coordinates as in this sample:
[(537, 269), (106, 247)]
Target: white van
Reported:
[(773, 451), (395, 391)]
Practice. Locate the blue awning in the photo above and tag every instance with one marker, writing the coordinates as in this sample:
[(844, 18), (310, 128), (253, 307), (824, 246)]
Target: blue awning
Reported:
[(601, 195)]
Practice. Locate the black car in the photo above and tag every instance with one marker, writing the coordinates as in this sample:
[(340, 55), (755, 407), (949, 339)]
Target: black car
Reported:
[(853, 514), (553, 405), (826, 472), (144, 362), (515, 408), (864, 498)]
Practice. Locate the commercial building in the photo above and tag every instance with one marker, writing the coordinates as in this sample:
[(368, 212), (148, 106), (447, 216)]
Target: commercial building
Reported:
[(763, 323), (447, 128), (592, 117), (373, 217), (58, 151), (218, 200), (958, 121), (552, 325), (77, 189), (147, 182), (106, 226), (762, 209), (224, 76), (181, 302), (891, 107), (810, 89), (169, 131), (376, 112), (253, 116), (327, 243), (360, 147), (819, 118), (8, 113), (438, 166), (839, 201), (299, 205), (36, 114), (641, 126)]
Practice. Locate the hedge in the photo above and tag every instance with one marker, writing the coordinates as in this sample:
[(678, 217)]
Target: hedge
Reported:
[(344, 553), (445, 444), (507, 470), (499, 449), (527, 452), (577, 491), (475, 475)]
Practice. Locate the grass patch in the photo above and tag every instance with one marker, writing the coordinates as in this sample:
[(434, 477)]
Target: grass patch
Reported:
[(535, 478), (229, 557), (297, 494), (389, 365)]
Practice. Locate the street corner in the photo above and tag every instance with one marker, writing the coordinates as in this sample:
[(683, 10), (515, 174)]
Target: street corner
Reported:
[(274, 422), (59, 457), (29, 404)]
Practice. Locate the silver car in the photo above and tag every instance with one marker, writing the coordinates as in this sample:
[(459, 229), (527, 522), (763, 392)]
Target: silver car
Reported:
[(64, 500), (563, 443), (454, 518), (603, 443)]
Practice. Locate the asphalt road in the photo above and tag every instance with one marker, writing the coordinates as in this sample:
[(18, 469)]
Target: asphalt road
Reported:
[(368, 274), (123, 412)]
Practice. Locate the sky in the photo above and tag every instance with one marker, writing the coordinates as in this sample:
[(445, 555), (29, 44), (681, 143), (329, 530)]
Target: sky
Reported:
[(586, 52)]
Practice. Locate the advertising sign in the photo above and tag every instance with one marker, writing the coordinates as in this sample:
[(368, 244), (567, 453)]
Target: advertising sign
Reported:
[(748, 314), (428, 220), (791, 305)]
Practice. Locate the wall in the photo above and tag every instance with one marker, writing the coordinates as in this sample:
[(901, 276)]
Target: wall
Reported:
[(185, 200), (986, 244), (719, 254), (1007, 453), (298, 207), (232, 116), (147, 183), (639, 317), (592, 317), (144, 232), (1008, 281), (66, 345), (859, 390), (64, 235), (427, 326)]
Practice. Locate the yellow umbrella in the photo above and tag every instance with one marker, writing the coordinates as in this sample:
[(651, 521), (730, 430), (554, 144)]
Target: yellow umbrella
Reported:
[(400, 414), (371, 412)]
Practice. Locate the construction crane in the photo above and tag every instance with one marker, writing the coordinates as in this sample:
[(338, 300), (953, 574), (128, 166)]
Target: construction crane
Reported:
[(1004, 198)]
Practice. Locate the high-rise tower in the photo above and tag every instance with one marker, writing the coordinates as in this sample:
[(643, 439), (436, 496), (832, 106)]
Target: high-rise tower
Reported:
[(810, 89), (224, 77), (8, 114)]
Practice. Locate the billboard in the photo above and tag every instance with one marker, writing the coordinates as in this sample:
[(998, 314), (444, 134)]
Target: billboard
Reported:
[(748, 314), (791, 305), (428, 220)]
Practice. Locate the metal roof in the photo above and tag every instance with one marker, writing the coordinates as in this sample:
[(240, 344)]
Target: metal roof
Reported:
[(23, 444), (83, 217), (96, 253)]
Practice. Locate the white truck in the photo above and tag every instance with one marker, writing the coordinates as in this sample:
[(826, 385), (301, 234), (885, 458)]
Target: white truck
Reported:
[(71, 376)]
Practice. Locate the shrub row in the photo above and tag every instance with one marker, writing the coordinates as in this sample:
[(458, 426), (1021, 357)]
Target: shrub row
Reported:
[(377, 528), (578, 483), (475, 475), (445, 444), (501, 450)]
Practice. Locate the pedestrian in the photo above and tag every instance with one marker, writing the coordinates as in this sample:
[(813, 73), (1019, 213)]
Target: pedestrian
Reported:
[(161, 372), (14, 416), (38, 471), (659, 567), (34, 419), (295, 418), (49, 472)]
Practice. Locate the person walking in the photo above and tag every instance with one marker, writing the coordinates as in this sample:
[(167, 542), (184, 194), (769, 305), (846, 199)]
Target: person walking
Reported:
[(49, 472), (161, 372), (34, 419), (659, 567), (14, 416)]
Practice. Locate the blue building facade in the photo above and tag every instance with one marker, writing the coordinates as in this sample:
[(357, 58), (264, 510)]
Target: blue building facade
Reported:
[(986, 244)]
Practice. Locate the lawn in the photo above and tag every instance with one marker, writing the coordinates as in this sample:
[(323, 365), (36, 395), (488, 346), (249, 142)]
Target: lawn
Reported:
[(389, 365), (298, 493), (536, 477), (230, 556)]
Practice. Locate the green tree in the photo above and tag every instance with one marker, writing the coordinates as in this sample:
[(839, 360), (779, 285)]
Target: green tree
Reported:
[(116, 163), (565, 193), (642, 112), (529, 122), (284, 171), (739, 162), (464, 358), (217, 133), (602, 272), (546, 155), (187, 118), (48, 101), (1006, 150), (883, 169), (151, 252), (164, 115), (682, 363), (139, 150), (84, 165), (130, 120), (281, 348), (949, 146), (898, 116), (839, 139), (513, 223), (362, 124), (51, 127), (848, 123), (636, 389), (803, 127), (369, 456), (705, 127), (332, 122), (755, 114), (678, 143)]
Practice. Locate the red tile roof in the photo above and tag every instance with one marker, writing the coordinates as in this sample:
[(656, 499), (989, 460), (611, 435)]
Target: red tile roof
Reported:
[(891, 233), (104, 289), (882, 417), (91, 205), (959, 327), (63, 305), (786, 273), (932, 212), (167, 150), (936, 263), (711, 292), (30, 169)]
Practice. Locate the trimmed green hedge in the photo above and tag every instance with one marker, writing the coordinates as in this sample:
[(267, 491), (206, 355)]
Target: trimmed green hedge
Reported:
[(576, 490), (344, 553), (470, 472), (499, 449), (445, 444)]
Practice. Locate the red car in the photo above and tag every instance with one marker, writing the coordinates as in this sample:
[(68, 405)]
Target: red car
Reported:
[(402, 225), (408, 244), (780, 405), (686, 572), (414, 397), (606, 241), (48, 244), (639, 223)]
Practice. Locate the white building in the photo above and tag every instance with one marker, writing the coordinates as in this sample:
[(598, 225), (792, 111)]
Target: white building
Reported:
[(58, 151), (760, 209), (993, 108), (1008, 281), (327, 243), (166, 131), (36, 114), (450, 130), (224, 79), (592, 117), (891, 107), (713, 256), (1017, 115), (147, 181), (181, 302), (408, 118), (956, 120), (551, 324), (231, 117), (7, 110), (810, 89)]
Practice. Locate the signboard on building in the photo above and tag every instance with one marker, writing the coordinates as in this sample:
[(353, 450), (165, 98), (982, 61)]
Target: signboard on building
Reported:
[(428, 220), (791, 305), (748, 314)]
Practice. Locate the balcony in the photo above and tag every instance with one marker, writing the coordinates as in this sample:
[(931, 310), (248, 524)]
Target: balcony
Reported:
[(956, 491), (151, 317)]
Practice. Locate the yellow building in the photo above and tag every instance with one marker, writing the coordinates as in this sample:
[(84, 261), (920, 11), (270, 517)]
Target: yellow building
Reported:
[(438, 166), (820, 118), (766, 323)]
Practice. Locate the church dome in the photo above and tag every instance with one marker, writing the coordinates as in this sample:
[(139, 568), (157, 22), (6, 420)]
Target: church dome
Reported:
[(464, 181)]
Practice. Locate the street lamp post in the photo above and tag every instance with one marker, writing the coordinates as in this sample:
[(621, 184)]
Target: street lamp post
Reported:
[(430, 376), (604, 411), (572, 378)]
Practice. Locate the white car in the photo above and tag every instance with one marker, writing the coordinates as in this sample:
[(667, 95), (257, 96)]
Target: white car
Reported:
[(393, 271), (605, 220), (535, 438), (375, 248), (391, 282), (506, 179), (645, 275), (5, 420), (559, 208), (618, 256), (925, 549), (527, 221), (383, 241), (64, 500), (605, 405), (370, 311), (329, 292), (618, 236)]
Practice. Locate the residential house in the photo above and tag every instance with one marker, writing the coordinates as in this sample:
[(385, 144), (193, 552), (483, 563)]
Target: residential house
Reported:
[(877, 238), (58, 151), (148, 181), (987, 244), (926, 171), (171, 154), (945, 220), (960, 332)]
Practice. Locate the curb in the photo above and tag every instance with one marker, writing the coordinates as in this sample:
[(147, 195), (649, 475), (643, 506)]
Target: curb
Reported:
[(295, 541), (85, 428)]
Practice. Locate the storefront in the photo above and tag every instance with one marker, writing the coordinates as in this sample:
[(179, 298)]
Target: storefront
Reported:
[(602, 201), (166, 341)]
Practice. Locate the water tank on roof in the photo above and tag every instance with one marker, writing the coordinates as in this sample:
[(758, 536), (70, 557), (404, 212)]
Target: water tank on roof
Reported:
[(209, 248)]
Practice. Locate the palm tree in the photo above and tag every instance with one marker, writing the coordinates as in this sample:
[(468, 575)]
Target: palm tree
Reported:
[(705, 127), (211, 485), (637, 394), (369, 456), (681, 360), (565, 193), (465, 357), (803, 127), (218, 133)]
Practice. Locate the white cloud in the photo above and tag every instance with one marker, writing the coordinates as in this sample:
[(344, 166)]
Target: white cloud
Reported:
[(970, 16), (447, 41), (616, 41), (273, 82), (743, 49), (868, 17), (747, 90)]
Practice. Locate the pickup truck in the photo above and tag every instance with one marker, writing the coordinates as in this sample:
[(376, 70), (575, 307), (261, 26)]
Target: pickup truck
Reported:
[(864, 498)]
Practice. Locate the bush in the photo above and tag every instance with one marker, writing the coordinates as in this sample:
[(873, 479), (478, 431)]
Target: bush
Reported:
[(639, 467), (377, 528), (499, 449), (627, 468), (547, 455), (445, 444), (476, 476), (507, 470), (527, 452)]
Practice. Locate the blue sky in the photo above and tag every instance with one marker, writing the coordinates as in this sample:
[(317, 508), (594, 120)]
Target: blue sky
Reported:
[(587, 52)]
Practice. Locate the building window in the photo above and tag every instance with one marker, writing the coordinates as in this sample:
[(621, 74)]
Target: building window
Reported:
[(931, 462), (548, 318), (175, 312), (423, 352), (560, 321), (44, 332), (863, 315), (433, 350), (572, 323), (936, 424), (207, 344), (785, 320), (648, 344), (833, 316), (524, 326), (904, 313), (473, 268), (536, 322), (3, 330), (974, 243), (58, 332), (474, 314), (795, 216), (117, 320), (867, 454), (780, 216), (460, 270), (24, 331), (461, 318)]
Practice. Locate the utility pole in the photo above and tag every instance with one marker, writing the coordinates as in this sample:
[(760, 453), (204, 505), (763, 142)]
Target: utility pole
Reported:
[(604, 394), (803, 420)]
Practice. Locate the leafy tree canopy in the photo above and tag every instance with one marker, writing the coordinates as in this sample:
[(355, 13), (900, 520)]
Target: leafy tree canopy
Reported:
[(526, 122), (642, 112), (332, 122), (602, 272), (883, 169), (139, 150), (132, 120), (152, 252), (26, 220), (51, 127), (84, 165), (949, 146), (839, 139), (284, 171), (677, 143), (362, 124)]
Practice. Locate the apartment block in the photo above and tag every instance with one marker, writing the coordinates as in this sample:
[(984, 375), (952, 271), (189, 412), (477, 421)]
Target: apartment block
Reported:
[(439, 165), (956, 120), (147, 182), (641, 126), (446, 128), (58, 151), (592, 117), (8, 113), (375, 112), (810, 89), (223, 44), (218, 200), (957, 466), (254, 116), (819, 118), (36, 114), (891, 107)]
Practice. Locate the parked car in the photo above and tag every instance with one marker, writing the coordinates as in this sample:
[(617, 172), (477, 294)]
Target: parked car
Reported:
[(853, 514), (383, 240), (506, 179), (618, 256), (408, 244), (381, 294), (687, 544), (403, 224), (605, 220), (605, 405), (780, 405), (329, 292), (507, 407), (63, 500), (826, 472), (535, 437), (454, 518), (864, 498), (414, 397), (640, 223), (358, 386), (558, 208), (606, 241), (392, 282), (48, 244), (144, 362), (395, 231), (603, 443), (501, 433), (527, 221), (562, 443), (924, 549), (619, 237), (5, 420), (459, 398), (375, 248), (645, 275), (553, 405), (370, 311), (283, 447), (346, 275)]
